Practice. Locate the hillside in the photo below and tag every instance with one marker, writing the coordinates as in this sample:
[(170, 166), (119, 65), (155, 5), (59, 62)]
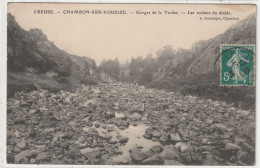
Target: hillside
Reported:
[(244, 32), (176, 66), (200, 59), (33, 59), (196, 75)]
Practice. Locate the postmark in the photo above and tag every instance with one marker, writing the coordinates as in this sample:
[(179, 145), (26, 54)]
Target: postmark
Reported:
[(237, 65)]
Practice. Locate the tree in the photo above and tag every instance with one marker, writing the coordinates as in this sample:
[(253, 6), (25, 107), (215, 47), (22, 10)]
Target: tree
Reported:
[(111, 67), (165, 54)]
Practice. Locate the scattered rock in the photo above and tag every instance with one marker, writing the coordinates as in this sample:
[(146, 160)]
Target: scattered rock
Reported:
[(97, 125), (176, 137), (139, 146), (110, 128), (104, 126), (34, 111), (53, 123), (32, 132), (87, 103)]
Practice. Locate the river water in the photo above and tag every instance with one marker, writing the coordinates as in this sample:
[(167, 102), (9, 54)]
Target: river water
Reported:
[(134, 135)]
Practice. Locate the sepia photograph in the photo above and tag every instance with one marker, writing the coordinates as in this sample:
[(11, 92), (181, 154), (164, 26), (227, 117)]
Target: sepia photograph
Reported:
[(131, 84)]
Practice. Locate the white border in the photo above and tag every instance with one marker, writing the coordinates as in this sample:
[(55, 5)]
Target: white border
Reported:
[(3, 71)]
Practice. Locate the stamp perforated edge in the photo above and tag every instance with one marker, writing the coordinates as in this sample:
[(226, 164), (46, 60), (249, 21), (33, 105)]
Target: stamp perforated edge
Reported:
[(220, 64)]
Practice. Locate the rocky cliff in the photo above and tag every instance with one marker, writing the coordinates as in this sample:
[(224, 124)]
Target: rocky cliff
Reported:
[(32, 50), (33, 59), (200, 59), (244, 32)]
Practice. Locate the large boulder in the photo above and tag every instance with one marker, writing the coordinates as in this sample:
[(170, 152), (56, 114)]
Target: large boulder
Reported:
[(176, 137), (110, 114), (157, 134), (172, 162), (148, 133), (123, 140), (24, 155), (169, 152), (245, 157), (120, 161), (154, 160), (156, 149), (91, 132), (191, 154), (210, 160), (94, 157), (137, 155), (21, 144)]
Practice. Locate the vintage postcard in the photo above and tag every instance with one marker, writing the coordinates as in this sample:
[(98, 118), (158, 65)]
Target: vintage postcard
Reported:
[(131, 84)]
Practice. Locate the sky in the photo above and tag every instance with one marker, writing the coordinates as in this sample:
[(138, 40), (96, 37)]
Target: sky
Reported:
[(103, 36)]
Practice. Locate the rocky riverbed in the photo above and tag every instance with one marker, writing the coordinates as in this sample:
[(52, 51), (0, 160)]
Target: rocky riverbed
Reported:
[(116, 123)]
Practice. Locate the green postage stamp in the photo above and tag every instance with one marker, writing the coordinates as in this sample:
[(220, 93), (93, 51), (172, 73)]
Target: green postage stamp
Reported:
[(237, 65)]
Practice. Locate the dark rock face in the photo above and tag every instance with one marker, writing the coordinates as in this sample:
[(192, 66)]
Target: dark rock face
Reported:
[(31, 54), (23, 52), (200, 59), (33, 49)]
